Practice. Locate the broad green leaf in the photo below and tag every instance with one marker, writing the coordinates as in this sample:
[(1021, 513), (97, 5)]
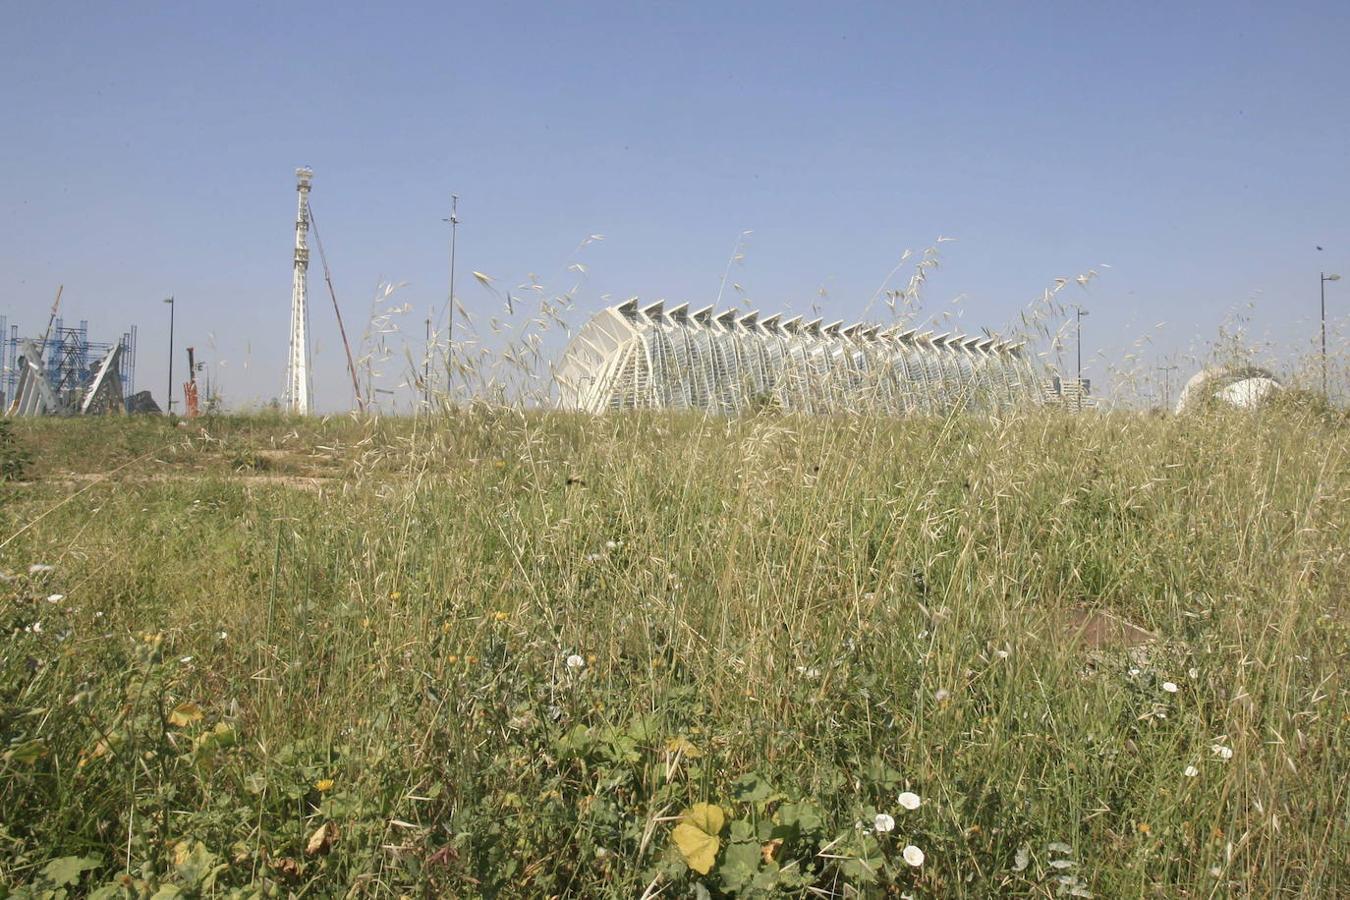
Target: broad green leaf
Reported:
[(684, 746), (217, 738), (185, 714), (864, 861), (801, 816), (696, 836), (751, 788), (27, 753), (68, 869), (740, 863), (193, 862)]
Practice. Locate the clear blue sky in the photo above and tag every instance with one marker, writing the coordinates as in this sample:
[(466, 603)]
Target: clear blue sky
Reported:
[(1202, 150)]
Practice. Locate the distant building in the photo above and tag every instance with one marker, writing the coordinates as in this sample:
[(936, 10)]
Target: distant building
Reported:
[(1242, 387), (1070, 393), (631, 357)]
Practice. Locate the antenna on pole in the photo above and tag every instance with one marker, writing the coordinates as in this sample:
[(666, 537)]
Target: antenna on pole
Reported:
[(450, 334)]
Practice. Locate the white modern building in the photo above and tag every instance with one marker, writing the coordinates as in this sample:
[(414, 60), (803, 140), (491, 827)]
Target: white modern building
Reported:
[(1242, 387), (630, 356)]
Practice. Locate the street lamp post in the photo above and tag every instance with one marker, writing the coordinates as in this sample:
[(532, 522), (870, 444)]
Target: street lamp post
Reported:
[(168, 409), (1325, 279), (1167, 384), (450, 331), (1081, 312)]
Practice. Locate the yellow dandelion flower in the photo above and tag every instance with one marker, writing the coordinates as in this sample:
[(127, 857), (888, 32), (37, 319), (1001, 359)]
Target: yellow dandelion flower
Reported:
[(1144, 828), (500, 616), (323, 785), (471, 660), (590, 659), (452, 659), (394, 595)]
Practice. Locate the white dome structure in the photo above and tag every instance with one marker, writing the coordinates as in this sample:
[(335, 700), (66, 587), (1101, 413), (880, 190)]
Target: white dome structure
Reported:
[(651, 357), (1242, 387)]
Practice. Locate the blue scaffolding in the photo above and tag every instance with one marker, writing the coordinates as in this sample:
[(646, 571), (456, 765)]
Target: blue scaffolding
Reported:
[(69, 358)]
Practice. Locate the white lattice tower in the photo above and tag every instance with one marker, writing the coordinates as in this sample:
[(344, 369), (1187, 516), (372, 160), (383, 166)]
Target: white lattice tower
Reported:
[(297, 365)]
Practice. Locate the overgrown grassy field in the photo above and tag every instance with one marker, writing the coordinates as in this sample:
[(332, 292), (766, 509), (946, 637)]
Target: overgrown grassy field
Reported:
[(497, 654)]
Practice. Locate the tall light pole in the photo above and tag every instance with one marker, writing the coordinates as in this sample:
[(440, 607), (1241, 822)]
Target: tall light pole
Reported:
[(450, 331), (168, 409), (1081, 312), (1325, 279), (1167, 384)]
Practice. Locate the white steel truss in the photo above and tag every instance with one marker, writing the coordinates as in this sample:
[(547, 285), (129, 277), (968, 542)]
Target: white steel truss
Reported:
[(630, 356)]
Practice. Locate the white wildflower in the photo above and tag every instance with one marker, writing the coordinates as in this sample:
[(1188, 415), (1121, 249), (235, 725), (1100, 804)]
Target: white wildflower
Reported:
[(883, 823), (39, 568), (1191, 772), (1169, 687), (1001, 654), (185, 660), (611, 545), (1221, 751), (35, 628), (55, 598), (913, 855), (942, 695), (1192, 673), (908, 800), (576, 661)]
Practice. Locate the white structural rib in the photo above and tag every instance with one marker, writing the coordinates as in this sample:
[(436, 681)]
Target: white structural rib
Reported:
[(648, 356)]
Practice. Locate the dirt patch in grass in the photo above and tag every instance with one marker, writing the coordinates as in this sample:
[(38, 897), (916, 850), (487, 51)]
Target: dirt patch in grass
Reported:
[(1097, 629)]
